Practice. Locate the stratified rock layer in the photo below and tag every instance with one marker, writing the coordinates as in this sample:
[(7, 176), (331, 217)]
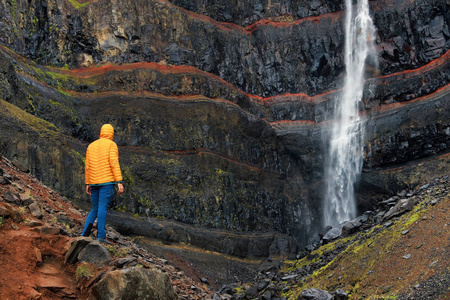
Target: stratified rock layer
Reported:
[(221, 125)]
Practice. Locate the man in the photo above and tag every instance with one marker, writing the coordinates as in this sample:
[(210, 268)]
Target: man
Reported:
[(102, 173)]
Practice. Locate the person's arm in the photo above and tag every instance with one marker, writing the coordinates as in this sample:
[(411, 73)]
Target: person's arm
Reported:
[(86, 172)]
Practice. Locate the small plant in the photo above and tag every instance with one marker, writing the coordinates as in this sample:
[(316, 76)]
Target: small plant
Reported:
[(84, 271), (115, 251), (1, 221), (22, 210)]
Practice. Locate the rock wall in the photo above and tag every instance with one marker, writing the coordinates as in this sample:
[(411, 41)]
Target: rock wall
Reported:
[(222, 109)]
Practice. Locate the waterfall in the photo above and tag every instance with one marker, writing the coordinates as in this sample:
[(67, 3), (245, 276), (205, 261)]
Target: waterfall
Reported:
[(345, 155)]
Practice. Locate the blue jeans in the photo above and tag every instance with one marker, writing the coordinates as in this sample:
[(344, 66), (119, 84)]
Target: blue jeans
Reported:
[(100, 197)]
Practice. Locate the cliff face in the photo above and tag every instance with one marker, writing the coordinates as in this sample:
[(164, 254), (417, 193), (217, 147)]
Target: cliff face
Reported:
[(222, 110)]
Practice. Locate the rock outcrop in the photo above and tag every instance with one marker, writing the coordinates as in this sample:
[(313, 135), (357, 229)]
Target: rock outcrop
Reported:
[(134, 283), (222, 111)]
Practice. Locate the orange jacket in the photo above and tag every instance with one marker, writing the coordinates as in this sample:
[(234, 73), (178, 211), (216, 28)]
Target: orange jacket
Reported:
[(102, 159)]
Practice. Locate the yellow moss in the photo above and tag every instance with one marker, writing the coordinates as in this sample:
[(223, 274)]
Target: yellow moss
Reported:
[(78, 5), (42, 127)]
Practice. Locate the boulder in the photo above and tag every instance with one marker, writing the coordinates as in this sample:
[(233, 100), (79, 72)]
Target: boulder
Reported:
[(75, 249), (340, 295), (10, 198), (332, 234), (4, 212), (314, 294), (47, 230), (26, 199), (401, 207), (95, 254), (14, 213), (134, 283), (35, 210)]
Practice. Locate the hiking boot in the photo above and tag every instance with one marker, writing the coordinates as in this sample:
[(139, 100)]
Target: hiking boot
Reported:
[(105, 241)]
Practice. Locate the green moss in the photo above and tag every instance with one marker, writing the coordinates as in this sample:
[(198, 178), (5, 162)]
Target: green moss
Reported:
[(78, 5), (84, 270), (79, 156), (13, 8), (42, 127)]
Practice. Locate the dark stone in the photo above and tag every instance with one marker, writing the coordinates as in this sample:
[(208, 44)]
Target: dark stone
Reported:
[(324, 231), (134, 283), (332, 234), (252, 292), (340, 295), (20, 166), (401, 207), (267, 295), (71, 257), (95, 254), (263, 284), (127, 261), (47, 230), (314, 294), (11, 198)]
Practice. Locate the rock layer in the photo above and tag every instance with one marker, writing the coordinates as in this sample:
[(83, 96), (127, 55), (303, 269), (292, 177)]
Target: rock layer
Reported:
[(220, 125)]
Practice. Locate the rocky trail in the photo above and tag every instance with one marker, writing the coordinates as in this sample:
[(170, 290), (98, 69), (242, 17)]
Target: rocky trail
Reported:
[(38, 227)]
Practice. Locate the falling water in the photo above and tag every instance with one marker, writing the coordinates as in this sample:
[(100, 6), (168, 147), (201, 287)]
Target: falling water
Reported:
[(346, 146)]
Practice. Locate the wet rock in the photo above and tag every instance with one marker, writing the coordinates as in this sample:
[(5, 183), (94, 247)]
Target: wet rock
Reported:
[(391, 201), (315, 294), (332, 234), (324, 231), (134, 283), (401, 207), (310, 248), (95, 254)]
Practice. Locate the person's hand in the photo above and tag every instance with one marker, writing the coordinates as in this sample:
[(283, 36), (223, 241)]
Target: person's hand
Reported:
[(88, 189), (120, 187)]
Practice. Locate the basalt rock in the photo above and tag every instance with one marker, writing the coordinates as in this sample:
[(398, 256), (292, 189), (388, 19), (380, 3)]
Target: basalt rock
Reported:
[(134, 283), (260, 59), (220, 125)]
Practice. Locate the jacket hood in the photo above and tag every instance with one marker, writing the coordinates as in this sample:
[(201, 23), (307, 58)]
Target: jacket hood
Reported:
[(107, 132)]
